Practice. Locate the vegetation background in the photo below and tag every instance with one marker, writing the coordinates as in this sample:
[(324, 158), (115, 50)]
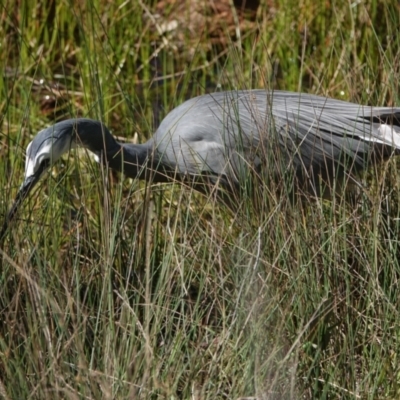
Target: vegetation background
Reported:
[(114, 289)]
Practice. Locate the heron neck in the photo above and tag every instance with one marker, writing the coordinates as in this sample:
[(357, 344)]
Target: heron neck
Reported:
[(133, 160), (136, 161)]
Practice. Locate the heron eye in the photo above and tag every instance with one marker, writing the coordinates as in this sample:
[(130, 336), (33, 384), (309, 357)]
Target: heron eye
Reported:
[(44, 164)]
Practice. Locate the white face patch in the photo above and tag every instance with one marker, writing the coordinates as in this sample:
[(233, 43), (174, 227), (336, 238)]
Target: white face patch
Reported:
[(32, 164), (52, 150), (28, 162)]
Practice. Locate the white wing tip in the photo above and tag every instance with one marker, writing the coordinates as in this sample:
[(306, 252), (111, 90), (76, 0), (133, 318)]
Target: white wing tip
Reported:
[(389, 135)]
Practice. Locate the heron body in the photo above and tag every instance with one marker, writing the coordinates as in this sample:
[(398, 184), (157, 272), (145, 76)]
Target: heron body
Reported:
[(224, 135)]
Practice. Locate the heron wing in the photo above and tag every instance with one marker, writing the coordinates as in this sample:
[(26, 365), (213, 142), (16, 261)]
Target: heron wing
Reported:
[(225, 132)]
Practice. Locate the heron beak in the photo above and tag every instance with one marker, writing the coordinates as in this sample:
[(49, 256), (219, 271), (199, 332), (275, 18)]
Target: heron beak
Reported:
[(23, 192)]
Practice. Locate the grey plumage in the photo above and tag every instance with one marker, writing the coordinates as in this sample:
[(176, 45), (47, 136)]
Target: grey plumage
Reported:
[(314, 133), (224, 135)]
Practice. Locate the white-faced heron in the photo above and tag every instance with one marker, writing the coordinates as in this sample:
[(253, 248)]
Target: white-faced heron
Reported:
[(222, 136)]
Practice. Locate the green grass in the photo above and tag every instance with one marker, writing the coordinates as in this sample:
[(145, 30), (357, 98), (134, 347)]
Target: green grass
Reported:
[(114, 289)]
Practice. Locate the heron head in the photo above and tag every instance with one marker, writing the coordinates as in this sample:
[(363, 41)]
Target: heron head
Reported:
[(46, 148), (51, 143)]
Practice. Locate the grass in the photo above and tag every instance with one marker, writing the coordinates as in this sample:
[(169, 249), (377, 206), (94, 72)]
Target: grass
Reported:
[(116, 289)]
